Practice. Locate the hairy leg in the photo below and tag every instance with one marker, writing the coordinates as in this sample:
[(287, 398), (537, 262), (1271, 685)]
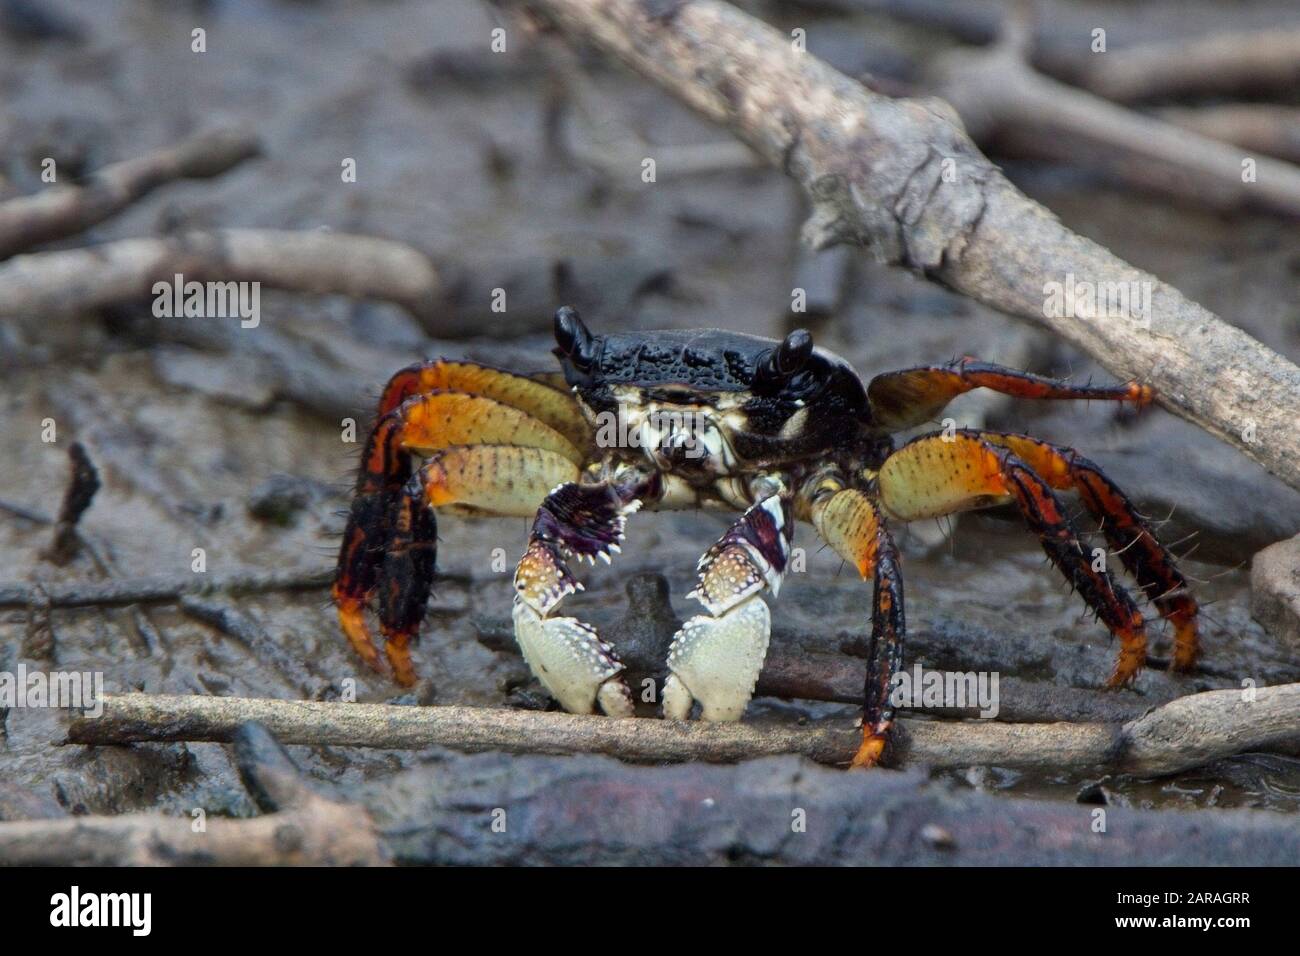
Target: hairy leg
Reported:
[(941, 474), (913, 396), (851, 524), (390, 544), (1132, 539)]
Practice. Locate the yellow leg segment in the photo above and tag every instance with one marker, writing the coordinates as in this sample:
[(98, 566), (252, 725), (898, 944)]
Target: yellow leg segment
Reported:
[(543, 399)]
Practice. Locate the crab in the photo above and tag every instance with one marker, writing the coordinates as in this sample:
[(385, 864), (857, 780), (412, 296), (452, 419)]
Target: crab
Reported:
[(779, 431)]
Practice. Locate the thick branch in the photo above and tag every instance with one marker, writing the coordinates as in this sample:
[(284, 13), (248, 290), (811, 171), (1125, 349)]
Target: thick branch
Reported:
[(126, 270), (1221, 63), (67, 210), (877, 173), (1185, 733)]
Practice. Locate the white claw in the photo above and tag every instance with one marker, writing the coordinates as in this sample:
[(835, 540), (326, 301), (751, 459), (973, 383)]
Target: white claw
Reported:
[(716, 660), (572, 662)]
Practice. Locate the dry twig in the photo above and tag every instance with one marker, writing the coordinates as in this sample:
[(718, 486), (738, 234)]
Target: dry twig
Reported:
[(1259, 127), (159, 590), (1002, 99), (80, 492), (1184, 733), (67, 210)]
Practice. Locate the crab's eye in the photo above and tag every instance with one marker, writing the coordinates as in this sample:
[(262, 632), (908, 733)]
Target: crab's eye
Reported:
[(792, 353), (572, 337), (779, 366)]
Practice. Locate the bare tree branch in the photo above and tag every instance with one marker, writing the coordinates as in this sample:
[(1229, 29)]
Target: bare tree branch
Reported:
[(67, 210), (1222, 63), (1261, 127), (1184, 733), (878, 173), (318, 832), (1003, 100)]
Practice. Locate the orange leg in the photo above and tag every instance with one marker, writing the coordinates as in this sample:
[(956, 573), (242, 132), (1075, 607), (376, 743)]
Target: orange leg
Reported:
[(1150, 563), (913, 396), (390, 544), (541, 397), (851, 524), (942, 474)]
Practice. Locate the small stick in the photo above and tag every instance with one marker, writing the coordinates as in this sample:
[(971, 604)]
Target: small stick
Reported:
[(1002, 98), (159, 590), (1185, 733), (1261, 127), (76, 499), (66, 211)]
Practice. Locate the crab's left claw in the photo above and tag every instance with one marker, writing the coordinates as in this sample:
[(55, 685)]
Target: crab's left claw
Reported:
[(716, 657)]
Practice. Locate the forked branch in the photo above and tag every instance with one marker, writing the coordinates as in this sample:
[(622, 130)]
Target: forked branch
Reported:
[(902, 178)]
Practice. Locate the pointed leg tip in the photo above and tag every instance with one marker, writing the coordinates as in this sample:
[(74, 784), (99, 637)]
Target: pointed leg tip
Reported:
[(352, 619), (1123, 677), (398, 650), (870, 752)]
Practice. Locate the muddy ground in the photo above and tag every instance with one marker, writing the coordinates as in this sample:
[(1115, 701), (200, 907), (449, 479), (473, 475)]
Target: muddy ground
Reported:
[(232, 442)]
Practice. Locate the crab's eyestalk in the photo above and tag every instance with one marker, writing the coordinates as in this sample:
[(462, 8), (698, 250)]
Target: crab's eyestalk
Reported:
[(574, 343), (785, 361)]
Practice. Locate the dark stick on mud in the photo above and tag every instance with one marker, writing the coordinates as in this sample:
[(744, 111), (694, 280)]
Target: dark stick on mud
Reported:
[(879, 174), (159, 590), (1185, 733), (83, 484), (170, 589), (62, 211)]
